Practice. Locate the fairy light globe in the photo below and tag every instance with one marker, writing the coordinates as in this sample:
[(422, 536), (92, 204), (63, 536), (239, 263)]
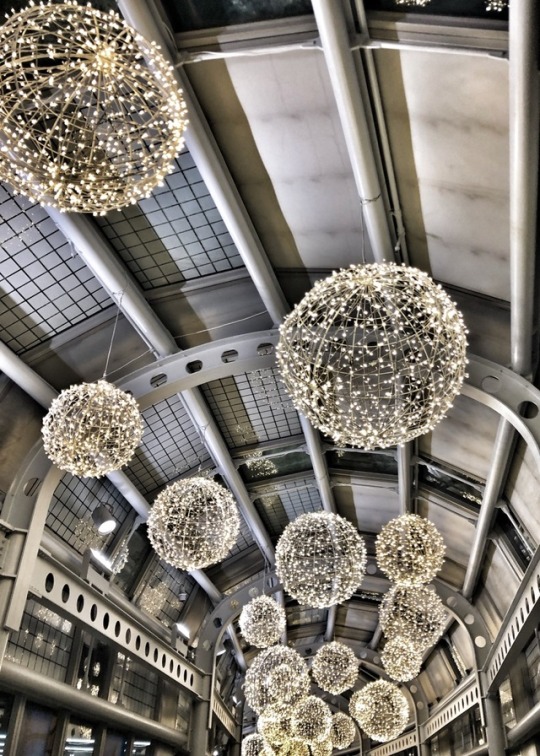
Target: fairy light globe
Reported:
[(311, 720), (381, 710), (343, 731), (374, 355), (294, 747), (410, 550), (262, 622), (324, 748), (193, 523), (320, 559), (92, 117), (278, 677), (275, 725), (415, 612), (255, 745), (402, 659), (335, 667), (92, 429)]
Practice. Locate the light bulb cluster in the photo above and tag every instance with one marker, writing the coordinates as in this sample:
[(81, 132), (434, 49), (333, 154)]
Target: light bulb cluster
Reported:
[(374, 355), (92, 429), (193, 523), (92, 118), (311, 720), (255, 745), (335, 667), (278, 676), (324, 748), (410, 550), (497, 5), (320, 559), (343, 731), (413, 612), (402, 658), (275, 725), (381, 710), (262, 621)]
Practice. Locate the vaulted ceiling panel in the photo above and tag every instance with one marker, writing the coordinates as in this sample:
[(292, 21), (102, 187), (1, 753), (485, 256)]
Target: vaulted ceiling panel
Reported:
[(522, 490)]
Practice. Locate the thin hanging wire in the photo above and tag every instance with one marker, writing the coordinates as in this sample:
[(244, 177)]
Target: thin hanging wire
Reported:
[(113, 333)]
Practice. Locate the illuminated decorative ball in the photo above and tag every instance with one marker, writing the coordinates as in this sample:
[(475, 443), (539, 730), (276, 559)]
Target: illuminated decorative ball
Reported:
[(278, 676), (381, 710), (497, 5), (262, 621), (320, 559), (324, 748), (410, 550), (92, 429), (293, 747), (373, 355), (255, 745), (343, 731), (311, 720), (92, 118), (418, 3), (414, 612), (275, 725), (402, 659), (335, 667), (193, 523)]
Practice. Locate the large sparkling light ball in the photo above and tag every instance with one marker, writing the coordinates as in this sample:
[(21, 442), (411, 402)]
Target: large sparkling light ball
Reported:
[(402, 658), (415, 612), (92, 429), (255, 745), (410, 550), (91, 115), (324, 748), (320, 559), (293, 747), (374, 355), (343, 731), (262, 621), (278, 676), (335, 667), (312, 720), (193, 523), (275, 725), (381, 710)]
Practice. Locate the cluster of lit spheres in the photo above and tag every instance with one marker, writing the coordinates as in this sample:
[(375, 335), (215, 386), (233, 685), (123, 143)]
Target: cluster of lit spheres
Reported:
[(311, 720), (262, 621), (277, 676)]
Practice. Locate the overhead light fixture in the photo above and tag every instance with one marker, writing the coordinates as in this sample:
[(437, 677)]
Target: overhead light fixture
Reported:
[(402, 658), (275, 725), (374, 355), (255, 745), (381, 710), (343, 731), (410, 550), (417, 3), (262, 621), (277, 676), (311, 720), (103, 520), (183, 630), (92, 117), (497, 5), (413, 612), (335, 667)]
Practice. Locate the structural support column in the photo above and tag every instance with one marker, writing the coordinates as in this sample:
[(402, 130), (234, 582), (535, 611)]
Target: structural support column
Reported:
[(494, 726)]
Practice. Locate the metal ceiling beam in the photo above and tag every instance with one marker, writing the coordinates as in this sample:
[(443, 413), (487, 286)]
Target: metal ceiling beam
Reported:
[(404, 464), (336, 45)]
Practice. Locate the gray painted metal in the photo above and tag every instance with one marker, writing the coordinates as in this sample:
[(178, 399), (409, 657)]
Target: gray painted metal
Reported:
[(404, 462), (524, 729), (495, 726)]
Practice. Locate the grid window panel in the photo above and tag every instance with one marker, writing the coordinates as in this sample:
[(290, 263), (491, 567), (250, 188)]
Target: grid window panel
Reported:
[(45, 286), (252, 407), (171, 445), (244, 541), (168, 584), (134, 687), (175, 235)]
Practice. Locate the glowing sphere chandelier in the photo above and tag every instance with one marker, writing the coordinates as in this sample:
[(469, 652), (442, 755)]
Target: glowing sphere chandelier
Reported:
[(320, 559), (410, 550), (335, 667), (497, 5), (255, 745), (193, 523), (311, 720), (418, 3), (275, 725), (343, 731), (92, 118), (278, 677), (262, 622), (92, 429), (324, 748), (374, 355), (381, 710), (294, 747), (416, 613), (402, 659)]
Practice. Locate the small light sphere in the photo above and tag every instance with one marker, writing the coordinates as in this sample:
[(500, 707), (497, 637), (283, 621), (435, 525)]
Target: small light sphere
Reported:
[(402, 659), (320, 559), (92, 117), (193, 523), (381, 710), (255, 745), (294, 747), (92, 429), (262, 622), (414, 612), (335, 667), (497, 5), (312, 720), (374, 355), (324, 748), (275, 725), (278, 676), (410, 550), (343, 731), (418, 3)]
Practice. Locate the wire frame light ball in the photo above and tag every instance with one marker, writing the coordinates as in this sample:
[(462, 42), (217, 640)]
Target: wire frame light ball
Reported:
[(381, 710), (410, 550), (255, 745), (262, 621), (312, 720), (343, 731), (293, 747), (92, 118), (374, 355), (402, 658), (335, 667), (275, 725), (278, 676), (414, 612), (320, 559), (324, 748), (92, 429), (193, 523)]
